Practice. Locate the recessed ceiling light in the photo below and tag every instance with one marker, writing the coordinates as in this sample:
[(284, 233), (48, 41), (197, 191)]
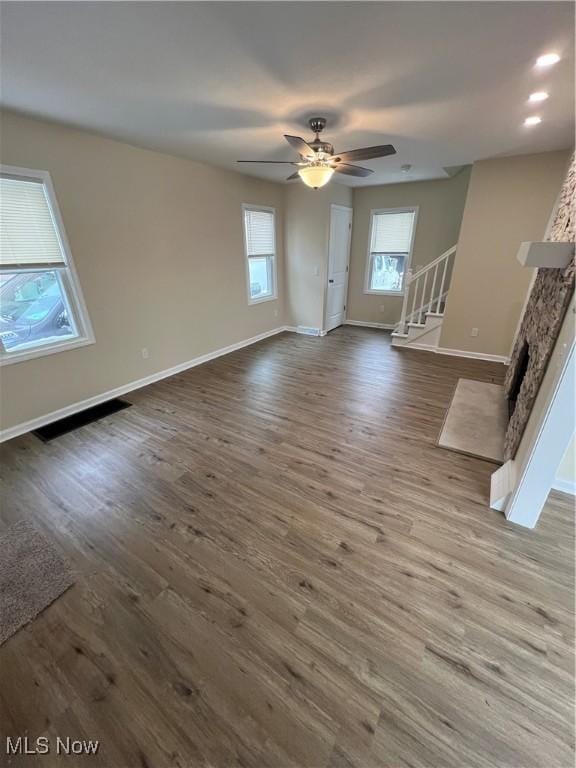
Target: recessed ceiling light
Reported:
[(534, 120), (547, 60), (538, 96)]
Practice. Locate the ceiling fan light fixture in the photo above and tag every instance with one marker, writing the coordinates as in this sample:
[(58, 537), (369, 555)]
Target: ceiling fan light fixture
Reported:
[(316, 176), (547, 60), (317, 161)]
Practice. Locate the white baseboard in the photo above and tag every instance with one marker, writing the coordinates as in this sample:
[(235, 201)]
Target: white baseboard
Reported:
[(502, 484), (473, 355), (432, 348), (566, 486), (61, 413), (304, 330), (384, 326), (456, 352), (417, 345)]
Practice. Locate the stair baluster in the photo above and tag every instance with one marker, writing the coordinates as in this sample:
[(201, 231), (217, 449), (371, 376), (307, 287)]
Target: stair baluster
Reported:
[(442, 285), (423, 301)]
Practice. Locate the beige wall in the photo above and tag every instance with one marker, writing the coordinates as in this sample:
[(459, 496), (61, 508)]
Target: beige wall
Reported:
[(158, 246), (307, 223), (440, 203), (509, 201)]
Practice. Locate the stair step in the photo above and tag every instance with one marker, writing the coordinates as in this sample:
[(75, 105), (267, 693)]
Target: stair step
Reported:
[(418, 326)]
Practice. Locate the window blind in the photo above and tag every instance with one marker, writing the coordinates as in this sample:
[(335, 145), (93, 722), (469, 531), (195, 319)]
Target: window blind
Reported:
[(392, 232), (27, 231), (259, 227)]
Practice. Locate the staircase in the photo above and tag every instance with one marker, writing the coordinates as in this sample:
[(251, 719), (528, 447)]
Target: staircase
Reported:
[(424, 301)]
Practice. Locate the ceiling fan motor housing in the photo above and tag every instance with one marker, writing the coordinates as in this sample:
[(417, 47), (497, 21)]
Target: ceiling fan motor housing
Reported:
[(321, 146), (317, 124)]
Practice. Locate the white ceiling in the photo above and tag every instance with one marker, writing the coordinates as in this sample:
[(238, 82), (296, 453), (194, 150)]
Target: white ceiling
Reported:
[(445, 82)]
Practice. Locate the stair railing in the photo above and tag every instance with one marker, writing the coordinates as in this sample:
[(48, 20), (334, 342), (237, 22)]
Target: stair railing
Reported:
[(419, 315), (426, 290)]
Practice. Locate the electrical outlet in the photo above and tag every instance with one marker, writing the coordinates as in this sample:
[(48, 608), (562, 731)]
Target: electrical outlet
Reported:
[(145, 353), (316, 271), (474, 332), (275, 313), (381, 307)]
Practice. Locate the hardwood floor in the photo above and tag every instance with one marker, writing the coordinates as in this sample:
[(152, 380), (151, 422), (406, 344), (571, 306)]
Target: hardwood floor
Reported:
[(277, 566)]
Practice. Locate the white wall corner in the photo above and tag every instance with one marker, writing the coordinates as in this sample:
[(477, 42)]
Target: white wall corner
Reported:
[(548, 433)]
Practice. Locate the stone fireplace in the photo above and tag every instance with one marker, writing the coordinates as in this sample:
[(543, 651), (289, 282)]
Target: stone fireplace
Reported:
[(541, 322), (516, 381)]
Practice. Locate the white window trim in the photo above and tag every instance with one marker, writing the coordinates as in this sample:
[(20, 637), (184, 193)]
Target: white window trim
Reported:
[(274, 295), (69, 277), (407, 209)]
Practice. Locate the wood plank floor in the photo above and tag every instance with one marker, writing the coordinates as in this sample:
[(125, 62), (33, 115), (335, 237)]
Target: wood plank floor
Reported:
[(277, 566)]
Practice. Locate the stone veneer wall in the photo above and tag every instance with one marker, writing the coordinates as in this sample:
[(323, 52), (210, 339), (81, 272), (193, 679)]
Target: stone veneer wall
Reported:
[(542, 318)]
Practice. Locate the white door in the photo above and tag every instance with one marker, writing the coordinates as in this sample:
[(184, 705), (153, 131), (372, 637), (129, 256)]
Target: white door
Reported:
[(338, 261)]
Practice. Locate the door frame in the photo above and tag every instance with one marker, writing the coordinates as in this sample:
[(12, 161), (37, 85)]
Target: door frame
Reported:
[(336, 206)]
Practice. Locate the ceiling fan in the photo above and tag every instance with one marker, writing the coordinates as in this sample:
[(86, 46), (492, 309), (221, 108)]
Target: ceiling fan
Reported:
[(317, 159)]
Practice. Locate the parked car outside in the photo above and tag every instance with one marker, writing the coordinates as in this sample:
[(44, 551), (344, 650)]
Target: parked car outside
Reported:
[(31, 309)]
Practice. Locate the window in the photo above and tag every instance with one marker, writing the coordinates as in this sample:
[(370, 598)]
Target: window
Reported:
[(391, 239), (41, 306), (260, 242)]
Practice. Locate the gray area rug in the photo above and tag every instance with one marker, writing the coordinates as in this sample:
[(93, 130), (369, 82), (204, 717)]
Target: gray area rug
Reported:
[(476, 420), (32, 575)]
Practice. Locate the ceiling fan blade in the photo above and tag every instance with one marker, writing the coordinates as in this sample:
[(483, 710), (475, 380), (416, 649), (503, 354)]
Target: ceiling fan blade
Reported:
[(366, 153), (294, 176), (273, 162), (300, 146), (352, 170)]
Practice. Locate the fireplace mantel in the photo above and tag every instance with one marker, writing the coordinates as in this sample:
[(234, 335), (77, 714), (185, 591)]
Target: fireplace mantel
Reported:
[(547, 255)]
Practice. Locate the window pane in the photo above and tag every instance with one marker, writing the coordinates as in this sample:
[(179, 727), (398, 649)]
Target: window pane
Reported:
[(392, 232), (259, 226), (28, 233), (387, 271), (33, 310), (260, 282)]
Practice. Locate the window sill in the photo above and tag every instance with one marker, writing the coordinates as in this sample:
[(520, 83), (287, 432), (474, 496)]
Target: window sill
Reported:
[(383, 293), (263, 300), (8, 358)]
